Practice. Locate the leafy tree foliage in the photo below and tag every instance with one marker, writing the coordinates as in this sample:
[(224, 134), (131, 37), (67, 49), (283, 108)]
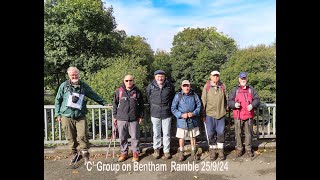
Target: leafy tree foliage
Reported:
[(137, 46), (107, 80), (198, 51), (161, 61), (80, 33), (260, 64)]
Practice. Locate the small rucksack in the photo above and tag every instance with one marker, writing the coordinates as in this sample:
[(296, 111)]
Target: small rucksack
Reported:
[(180, 97), (208, 86), (121, 91), (67, 87), (249, 90)]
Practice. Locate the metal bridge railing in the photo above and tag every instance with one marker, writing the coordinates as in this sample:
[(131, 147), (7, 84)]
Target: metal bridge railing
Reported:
[(100, 124)]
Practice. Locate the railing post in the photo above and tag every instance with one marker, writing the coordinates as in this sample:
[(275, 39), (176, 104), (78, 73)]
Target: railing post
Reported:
[(93, 125), (269, 121), (263, 121), (100, 123), (45, 125), (52, 124), (258, 113), (274, 120), (106, 121)]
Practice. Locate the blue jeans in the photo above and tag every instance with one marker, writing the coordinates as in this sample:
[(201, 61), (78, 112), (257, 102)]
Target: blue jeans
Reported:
[(157, 123), (215, 129)]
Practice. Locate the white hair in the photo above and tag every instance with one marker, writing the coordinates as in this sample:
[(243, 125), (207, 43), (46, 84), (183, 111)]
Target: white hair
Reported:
[(71, 68)]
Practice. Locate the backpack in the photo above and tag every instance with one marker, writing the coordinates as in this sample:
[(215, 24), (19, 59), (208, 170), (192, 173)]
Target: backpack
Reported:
[(151, 88), (239, 88), (121, 91), (180, 97), (68, 84), (249, 90), (208, 86)]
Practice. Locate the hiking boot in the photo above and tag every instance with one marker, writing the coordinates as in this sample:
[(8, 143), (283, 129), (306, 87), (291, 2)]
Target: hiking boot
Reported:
[(75, 157), (221, 154), (135, 157), (122, 157), (238, 153), (194, 154), (156, 153), (166, 156), (213, 154), (86, 156), (181, 156), (249, 153)]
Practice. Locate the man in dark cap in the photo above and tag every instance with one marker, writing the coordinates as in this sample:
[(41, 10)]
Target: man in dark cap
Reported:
[(160, 93), (243, 99)]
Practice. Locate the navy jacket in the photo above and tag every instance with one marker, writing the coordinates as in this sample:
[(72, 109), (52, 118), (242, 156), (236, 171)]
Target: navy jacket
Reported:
[(160, 100)]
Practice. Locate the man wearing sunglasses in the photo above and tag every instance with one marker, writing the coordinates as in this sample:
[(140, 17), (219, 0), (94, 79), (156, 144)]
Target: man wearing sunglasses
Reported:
[(128, 109)]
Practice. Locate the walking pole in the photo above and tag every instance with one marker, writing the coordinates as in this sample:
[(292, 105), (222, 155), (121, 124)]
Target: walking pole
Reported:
[(114, 141), (192, 136), (110, 141), (112, 138), (205, 128)]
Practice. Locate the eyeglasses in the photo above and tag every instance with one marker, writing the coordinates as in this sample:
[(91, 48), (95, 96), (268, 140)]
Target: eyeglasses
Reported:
[(128, 80), (185, 85)]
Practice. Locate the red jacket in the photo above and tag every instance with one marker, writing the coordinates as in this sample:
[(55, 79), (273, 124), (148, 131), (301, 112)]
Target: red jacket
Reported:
[(245, 97)]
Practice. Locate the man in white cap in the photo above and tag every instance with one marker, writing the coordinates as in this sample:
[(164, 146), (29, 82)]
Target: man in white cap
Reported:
[(214, 101), (186, 108)]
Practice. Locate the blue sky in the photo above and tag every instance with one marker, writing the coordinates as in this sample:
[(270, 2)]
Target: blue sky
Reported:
[(248, 22)]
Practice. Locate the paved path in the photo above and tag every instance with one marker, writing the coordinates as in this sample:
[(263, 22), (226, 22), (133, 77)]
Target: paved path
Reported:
[(262, 167)]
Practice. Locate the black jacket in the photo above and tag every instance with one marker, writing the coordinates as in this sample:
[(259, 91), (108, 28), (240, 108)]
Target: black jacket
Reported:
[(160, 100), (128, 108)]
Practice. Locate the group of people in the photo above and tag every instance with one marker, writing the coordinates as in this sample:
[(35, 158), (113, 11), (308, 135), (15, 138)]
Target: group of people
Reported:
[(164, 102)]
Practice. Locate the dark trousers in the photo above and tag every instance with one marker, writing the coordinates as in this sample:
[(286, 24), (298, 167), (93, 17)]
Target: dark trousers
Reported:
[(246, 126), (215, 129)]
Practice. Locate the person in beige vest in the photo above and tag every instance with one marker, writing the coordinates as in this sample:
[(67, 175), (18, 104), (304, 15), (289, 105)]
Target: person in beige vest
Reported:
[(214, 103)]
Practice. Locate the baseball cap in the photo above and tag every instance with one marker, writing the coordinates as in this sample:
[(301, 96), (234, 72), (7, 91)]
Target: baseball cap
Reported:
[(185, 82), (214, 73), (242, 75), (159, 72)]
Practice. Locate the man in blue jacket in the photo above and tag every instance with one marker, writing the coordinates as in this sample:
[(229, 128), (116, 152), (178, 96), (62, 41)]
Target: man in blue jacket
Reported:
[(186, 108)]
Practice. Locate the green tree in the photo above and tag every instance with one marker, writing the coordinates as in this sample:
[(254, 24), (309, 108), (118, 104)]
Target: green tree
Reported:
[(107, 80), (161, 61), (198, 51), (260, 64), (80, 33), (138, 47)]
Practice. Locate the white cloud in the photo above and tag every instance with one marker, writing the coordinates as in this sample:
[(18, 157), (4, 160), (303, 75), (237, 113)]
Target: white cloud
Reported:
[(250, 27)]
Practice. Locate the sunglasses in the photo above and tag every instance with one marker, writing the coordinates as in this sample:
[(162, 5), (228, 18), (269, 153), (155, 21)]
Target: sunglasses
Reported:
[(128, 80)]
